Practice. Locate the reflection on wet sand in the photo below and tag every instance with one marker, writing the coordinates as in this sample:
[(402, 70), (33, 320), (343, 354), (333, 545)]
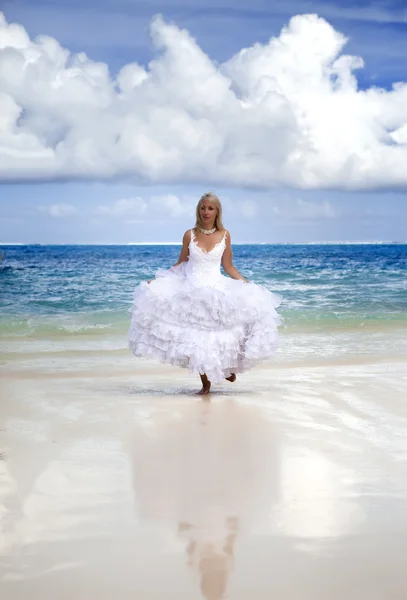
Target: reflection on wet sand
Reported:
[(201, 475), (212, 561)]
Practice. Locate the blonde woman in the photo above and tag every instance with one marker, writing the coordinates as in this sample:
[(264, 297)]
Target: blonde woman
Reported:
[(194, 317)]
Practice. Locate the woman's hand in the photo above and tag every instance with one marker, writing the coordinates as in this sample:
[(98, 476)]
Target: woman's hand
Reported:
[(227, 261), (149, 280)]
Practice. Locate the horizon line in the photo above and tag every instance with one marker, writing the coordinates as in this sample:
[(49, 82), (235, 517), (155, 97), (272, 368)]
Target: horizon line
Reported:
[(289, 243)]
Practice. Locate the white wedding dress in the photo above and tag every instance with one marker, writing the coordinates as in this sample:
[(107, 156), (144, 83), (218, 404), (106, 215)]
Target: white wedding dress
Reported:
[(192, 316)]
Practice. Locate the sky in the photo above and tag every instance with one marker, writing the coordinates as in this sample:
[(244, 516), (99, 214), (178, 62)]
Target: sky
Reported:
[(117, 115)]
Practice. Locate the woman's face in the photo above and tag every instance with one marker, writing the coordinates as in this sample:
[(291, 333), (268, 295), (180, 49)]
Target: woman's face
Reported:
[(208, 212)]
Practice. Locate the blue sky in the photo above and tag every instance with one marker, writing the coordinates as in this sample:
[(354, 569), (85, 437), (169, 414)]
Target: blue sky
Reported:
[(116, 32)]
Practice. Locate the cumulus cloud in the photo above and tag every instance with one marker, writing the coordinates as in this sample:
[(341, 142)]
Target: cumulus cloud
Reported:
[(304, 210), (248, 208), (124, 208), (288, 112), (59, 210), (171, 205), (151, 208), (154, 207)]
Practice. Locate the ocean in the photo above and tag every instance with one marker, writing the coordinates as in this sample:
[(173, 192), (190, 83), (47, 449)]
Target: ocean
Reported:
[(337, 298)]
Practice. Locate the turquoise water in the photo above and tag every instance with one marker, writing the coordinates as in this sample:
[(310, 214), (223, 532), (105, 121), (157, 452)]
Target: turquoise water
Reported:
[(54, 291)]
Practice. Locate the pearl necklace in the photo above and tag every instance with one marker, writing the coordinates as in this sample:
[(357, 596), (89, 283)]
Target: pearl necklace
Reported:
[(207, 231)]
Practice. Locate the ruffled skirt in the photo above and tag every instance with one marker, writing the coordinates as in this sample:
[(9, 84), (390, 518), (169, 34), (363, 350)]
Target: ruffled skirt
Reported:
[(225, 328)]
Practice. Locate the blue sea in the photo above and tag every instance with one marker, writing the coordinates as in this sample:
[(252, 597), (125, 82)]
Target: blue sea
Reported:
[(79, 296)]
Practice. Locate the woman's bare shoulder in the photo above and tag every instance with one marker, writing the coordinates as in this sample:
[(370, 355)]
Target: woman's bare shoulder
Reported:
[(187, 236)]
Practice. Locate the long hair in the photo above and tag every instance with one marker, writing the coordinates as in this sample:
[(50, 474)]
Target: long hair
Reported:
[(213, 199)]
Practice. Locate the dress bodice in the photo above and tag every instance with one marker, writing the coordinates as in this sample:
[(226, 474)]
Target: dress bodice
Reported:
[(204, 267)]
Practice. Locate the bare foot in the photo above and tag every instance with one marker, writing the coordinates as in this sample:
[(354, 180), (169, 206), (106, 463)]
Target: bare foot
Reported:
[(232, 377), (206, 385), (205, 389)]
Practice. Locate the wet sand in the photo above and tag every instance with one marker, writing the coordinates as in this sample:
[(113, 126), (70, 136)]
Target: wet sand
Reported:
[(117, 482)]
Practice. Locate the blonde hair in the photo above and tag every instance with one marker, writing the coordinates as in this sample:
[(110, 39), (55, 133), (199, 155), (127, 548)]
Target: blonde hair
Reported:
[(213, 199)]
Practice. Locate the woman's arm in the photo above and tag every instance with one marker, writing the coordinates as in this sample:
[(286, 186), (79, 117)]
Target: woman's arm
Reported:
[(227, 261), (183, 256), (184, 251)]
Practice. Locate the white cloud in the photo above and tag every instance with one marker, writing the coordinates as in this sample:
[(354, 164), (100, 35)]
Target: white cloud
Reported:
[(171, 205), (400, 135), (248, 208), (137, 209), (285, 113), (304, 210), (59, 210), (132, 207)]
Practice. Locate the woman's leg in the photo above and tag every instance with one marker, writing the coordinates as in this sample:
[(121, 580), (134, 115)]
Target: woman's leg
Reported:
[(206, 385)]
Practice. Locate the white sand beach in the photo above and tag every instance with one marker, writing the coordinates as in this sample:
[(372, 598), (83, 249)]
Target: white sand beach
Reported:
[(116, 481)]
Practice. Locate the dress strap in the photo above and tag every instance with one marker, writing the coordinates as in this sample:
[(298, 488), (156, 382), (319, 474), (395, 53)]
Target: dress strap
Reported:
[(192, 235)]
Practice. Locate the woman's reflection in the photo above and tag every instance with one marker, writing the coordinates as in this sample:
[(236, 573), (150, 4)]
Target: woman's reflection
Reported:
[(211, 469), (212, 560)]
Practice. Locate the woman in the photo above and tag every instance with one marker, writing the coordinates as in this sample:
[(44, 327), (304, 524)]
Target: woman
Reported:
[(194, 317)]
